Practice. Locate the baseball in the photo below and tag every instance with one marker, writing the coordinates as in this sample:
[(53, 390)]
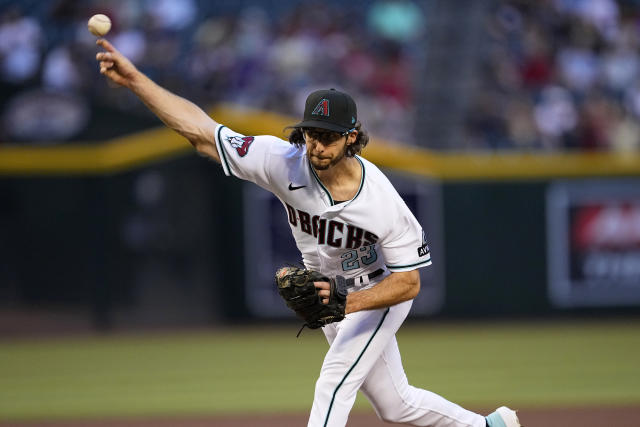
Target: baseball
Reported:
[(99, 25)]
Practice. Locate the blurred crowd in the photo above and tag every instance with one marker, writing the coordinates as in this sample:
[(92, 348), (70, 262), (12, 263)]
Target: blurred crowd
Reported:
[(559, 74), (554, 74), (262, 54)]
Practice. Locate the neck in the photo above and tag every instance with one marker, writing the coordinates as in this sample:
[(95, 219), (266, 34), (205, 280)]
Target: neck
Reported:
[(342, 179), (346, 169)]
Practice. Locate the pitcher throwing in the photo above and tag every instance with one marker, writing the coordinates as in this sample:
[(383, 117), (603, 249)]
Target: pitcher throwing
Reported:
[(351, 227)]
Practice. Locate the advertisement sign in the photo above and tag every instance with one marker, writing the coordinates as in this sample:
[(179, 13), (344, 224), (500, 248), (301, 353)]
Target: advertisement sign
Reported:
[(270, 245), (593, 238)]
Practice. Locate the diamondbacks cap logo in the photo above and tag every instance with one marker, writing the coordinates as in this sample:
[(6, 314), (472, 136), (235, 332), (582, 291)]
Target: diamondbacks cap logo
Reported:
[(322, 109), (240, 143)]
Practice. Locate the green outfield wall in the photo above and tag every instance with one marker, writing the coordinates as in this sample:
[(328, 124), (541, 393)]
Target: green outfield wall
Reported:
[(141, 230), (495, 247)]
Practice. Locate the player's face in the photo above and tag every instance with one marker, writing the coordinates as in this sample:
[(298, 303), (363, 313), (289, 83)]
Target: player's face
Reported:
[(324, 148)]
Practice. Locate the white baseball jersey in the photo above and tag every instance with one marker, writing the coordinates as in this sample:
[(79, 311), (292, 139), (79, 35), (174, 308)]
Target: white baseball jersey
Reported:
[(374, 230), (360, 238)]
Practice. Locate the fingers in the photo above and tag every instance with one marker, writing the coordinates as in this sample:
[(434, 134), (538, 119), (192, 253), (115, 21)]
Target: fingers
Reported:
[(113, 75), (106, 59), (109, 61), (322, 285), (104, 43), (105, 65), (111, 56), (324, 290), (105, 56)]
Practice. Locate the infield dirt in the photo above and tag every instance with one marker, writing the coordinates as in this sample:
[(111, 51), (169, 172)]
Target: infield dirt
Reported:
[(627, 416)]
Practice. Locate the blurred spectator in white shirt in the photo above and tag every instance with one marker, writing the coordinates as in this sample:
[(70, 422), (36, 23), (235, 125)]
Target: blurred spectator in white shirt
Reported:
[(20, 44)]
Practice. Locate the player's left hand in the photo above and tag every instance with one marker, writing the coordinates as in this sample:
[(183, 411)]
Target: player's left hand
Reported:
[(324, 290), (315, 298)]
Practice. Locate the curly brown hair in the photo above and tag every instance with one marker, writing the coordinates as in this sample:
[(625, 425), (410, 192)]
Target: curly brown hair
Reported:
[(325, 136)]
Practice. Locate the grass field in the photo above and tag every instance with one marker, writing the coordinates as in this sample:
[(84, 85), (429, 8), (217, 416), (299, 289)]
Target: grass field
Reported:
[(243, 370)]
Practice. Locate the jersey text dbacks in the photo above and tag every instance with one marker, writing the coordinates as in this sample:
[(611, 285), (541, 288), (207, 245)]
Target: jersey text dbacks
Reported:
[(329, 232)]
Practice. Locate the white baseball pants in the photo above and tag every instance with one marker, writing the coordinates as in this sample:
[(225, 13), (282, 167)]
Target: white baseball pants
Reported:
[(363, 354)]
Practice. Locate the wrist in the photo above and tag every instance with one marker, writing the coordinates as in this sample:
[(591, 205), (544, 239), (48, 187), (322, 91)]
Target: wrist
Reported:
[(136, 81), (352, 303)]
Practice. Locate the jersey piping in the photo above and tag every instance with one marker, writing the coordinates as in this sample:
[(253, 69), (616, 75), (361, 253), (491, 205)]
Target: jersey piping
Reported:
[(361, 179), (331, 201), (333, 398), (320, 182), (421, 264), (223, 155)]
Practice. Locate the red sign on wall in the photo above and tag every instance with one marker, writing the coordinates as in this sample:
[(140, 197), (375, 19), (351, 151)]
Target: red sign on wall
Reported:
[(594, 243)]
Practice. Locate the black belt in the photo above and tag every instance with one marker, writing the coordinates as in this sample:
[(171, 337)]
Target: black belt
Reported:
[(352, 281)]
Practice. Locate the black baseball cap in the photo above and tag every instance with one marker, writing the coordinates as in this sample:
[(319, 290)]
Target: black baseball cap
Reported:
[(329, 109)]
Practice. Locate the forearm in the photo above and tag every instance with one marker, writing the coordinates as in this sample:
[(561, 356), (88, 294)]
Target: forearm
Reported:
[(394, 289), (177, 113)]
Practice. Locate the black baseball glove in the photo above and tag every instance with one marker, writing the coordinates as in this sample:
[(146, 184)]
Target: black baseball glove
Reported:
[(296, 287)]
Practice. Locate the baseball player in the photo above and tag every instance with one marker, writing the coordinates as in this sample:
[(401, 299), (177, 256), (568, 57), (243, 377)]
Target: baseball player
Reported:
[(348, 220)]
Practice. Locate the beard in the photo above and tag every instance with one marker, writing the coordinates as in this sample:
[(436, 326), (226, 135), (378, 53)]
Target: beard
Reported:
[(321, 164)]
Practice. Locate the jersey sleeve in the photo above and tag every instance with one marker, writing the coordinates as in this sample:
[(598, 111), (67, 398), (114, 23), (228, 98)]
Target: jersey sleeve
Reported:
[(405, 248), (245, 157)]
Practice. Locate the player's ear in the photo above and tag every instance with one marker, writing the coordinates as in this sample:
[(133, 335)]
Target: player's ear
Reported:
[(352, 137)]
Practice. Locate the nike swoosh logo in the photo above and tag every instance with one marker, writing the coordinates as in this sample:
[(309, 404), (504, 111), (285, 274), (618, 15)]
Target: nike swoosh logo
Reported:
[(291, 187)]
